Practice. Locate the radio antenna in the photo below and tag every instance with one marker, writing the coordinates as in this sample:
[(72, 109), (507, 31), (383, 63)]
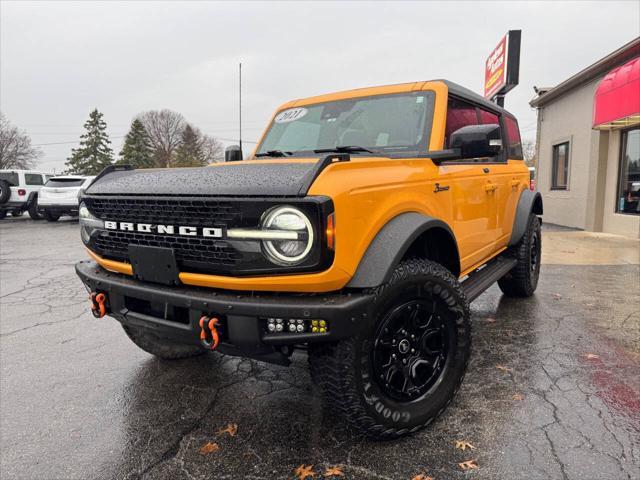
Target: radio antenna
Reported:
[(240, 104)]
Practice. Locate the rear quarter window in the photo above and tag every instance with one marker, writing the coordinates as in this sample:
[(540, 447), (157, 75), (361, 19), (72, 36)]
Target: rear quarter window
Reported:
[(514, 149), (33, 179)]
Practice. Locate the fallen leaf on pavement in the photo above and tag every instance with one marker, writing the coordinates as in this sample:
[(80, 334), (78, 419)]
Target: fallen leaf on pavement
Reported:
[(591, 356), (304, 471), (503, 368), (518, 397), (463, 445), (231, 429), (468, 465), (557, 296), (208, 448), (333, 472), (422, 476)]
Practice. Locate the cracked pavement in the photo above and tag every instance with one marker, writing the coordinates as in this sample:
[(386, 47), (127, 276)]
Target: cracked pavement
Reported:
[(552, 390)]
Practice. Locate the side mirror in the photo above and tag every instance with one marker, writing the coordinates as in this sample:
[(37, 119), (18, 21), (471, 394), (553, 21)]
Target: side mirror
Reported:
[(232, 153), (474, 141)]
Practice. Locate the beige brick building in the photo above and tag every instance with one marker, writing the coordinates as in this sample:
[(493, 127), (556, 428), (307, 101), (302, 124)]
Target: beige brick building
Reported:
[(588, 146)]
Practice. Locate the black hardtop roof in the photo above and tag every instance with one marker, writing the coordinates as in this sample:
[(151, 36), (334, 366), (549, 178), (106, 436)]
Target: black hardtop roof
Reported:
[(465, 93)]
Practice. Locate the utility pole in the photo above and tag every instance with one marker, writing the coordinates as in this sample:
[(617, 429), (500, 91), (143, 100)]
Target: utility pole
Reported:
[(240, 105)]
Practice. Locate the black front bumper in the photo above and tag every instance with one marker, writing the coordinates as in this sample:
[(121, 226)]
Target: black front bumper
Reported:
[(176, 312)]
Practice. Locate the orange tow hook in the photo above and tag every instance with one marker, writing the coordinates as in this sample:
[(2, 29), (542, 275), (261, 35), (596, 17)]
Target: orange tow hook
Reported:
[(98, 306), (208, 332)]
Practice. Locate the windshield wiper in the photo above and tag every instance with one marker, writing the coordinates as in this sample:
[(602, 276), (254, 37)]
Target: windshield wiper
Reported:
[(273, 153), (344, 149)]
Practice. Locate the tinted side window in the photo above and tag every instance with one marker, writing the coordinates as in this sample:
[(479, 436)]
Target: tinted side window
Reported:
[(459, 114), (515, 143), (33, 179)]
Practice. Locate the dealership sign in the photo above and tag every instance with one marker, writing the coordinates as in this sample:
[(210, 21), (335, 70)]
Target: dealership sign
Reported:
[(503, 65)]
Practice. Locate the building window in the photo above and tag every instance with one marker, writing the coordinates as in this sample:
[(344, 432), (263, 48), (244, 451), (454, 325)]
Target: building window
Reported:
[(560, 166), (629, 173)]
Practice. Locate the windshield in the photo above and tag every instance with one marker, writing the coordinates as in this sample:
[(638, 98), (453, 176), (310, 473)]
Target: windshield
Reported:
[(64, 182), (382, 124)]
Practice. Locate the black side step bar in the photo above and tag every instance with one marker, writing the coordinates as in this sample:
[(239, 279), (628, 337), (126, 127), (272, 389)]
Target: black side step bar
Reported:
[(482, 279)]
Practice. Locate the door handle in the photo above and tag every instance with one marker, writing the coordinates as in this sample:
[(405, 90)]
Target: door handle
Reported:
[(490, 187), (515, 183)]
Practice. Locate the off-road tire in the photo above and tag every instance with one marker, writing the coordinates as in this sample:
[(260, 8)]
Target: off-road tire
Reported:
[(16, 213), (50, 216), (3, 213), (33, 210), (522, 280), (5, 191), (161, 347), (344, 371)]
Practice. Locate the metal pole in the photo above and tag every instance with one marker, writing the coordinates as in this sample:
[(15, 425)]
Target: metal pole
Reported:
[(240, 105)]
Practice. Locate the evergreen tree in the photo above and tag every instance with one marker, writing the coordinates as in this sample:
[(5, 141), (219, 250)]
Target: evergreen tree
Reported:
[(137, 150), (190, 153), (94, 153)]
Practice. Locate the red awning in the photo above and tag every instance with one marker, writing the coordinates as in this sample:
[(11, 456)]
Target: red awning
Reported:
[(617, 99)]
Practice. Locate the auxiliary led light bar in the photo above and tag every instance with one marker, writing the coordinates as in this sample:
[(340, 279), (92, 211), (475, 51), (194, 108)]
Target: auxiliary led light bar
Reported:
[(296, 325)]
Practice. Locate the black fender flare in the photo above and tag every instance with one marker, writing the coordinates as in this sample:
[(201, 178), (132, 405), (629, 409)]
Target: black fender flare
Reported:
[(529, 202), (32, 198), (389, 246)]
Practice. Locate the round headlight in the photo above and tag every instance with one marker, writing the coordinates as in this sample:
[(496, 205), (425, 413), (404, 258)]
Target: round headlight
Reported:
[(288, 251)]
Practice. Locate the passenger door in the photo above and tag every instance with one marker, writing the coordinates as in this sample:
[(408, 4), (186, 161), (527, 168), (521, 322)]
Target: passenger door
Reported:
[(500, 174), (474, 209)]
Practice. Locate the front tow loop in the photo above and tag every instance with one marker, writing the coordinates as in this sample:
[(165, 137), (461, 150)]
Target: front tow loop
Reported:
[(209, 336), (98, 304)]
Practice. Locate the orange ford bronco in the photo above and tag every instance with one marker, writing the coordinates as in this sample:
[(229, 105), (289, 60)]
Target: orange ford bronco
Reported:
[(358, 231)]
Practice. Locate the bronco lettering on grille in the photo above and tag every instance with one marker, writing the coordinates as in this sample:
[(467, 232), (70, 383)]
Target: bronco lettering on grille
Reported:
[(209, 232)]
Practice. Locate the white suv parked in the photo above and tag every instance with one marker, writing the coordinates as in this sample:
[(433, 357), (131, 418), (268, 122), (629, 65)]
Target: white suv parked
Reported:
[(59, 196), (19, 192)]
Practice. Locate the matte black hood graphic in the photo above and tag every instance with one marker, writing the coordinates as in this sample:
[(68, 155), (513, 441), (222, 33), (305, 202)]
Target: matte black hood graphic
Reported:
[(268, 179)]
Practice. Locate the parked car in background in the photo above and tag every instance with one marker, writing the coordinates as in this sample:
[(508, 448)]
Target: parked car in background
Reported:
[(59, 196), (19, 192)]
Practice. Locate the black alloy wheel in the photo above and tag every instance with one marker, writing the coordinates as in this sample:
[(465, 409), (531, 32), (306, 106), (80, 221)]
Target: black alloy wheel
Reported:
[(410, 350)]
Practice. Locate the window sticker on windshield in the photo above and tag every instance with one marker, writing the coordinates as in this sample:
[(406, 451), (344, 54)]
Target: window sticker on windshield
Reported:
[(419, 99), (291, 115)]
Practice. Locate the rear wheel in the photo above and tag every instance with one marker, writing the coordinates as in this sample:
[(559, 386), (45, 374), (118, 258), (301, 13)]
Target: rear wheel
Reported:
[(522, 280), (33, 210), (405, 366), (161, 347), (50, 216)]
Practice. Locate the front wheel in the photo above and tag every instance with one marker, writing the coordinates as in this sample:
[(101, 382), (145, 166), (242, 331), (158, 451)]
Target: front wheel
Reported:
[(522, 280), (405, 366), (161, 347)]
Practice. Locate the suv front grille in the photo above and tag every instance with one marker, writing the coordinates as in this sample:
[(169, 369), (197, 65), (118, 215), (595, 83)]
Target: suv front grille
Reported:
[(169, 211), (194, 254)]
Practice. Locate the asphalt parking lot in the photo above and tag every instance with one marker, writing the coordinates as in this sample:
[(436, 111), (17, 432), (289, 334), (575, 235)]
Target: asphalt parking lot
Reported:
[(552, 391)]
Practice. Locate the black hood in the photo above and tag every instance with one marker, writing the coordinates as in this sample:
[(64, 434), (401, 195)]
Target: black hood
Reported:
[(232, 179)]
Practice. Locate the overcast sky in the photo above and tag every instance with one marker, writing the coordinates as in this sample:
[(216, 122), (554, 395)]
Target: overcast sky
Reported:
[(59, 60)]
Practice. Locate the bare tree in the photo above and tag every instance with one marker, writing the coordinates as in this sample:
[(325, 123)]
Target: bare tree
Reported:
[(212, 149), (16, 150), (164, 128), (529, 152)]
